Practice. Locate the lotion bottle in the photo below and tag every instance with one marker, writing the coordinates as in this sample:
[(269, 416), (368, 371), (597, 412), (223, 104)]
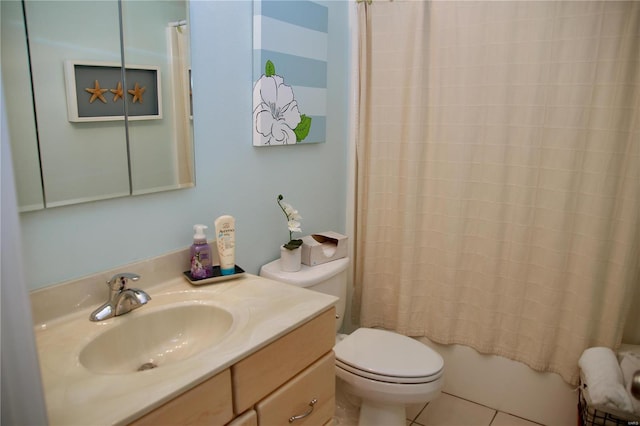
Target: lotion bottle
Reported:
[(226, 242), (200, 254)]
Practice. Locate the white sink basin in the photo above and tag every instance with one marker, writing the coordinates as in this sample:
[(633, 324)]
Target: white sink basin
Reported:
[(89, 369), (151, 339)]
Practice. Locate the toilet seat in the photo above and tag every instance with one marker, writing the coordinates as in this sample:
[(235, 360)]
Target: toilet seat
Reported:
[(388, 357)]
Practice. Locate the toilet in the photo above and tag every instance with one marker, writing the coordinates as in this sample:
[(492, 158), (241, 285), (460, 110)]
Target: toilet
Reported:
[(385, 370)]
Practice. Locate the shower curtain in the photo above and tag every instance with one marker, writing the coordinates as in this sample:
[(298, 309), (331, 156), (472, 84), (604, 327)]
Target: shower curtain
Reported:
[(498, 174), (180, 60)]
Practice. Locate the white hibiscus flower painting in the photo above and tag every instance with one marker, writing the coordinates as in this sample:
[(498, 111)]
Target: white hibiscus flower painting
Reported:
[(276, 117)]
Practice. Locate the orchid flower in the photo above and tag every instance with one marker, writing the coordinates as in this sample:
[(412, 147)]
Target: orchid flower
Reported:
[(293, 223)]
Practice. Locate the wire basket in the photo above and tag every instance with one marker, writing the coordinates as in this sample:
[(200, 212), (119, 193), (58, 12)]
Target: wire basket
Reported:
[(590, 415)]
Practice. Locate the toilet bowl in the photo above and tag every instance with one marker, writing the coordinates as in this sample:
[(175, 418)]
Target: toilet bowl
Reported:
[(384, 369), (387, 371)]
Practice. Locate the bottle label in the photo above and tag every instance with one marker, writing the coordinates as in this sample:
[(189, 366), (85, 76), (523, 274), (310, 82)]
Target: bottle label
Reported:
[(200, 265), (224, 237)]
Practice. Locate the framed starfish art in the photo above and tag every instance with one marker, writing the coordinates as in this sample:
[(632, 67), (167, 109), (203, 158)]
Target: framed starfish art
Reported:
[(97, 91)]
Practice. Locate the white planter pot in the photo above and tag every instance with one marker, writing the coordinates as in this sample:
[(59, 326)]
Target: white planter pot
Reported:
[(290, 260)]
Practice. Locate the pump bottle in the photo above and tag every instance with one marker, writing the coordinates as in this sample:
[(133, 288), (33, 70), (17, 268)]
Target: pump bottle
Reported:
[(200, 254), (226, 242)]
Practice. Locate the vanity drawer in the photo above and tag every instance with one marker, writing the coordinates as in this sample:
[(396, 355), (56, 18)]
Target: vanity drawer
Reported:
[(293, 399), (249, 418), (207, 403), (259, 374)]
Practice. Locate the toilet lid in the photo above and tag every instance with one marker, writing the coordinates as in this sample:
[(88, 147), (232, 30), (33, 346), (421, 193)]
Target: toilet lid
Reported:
[(388, 356)]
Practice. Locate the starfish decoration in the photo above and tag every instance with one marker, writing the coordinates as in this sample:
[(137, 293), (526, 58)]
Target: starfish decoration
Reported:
[(137, 92), (118, 93), (96, 92)]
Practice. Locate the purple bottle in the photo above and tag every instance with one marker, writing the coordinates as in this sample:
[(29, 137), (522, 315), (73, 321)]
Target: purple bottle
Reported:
[(200, 255)]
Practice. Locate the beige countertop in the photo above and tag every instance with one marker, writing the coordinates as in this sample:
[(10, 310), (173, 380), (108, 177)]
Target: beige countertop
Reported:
[(264, 310)]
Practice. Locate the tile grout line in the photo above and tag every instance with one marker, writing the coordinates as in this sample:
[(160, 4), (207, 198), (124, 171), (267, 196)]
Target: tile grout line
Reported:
[(413, 420), (473, 402), (521, 418), (496, 411)]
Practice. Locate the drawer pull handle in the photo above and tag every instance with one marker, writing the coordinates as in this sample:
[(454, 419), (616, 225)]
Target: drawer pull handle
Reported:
[(305, 414)]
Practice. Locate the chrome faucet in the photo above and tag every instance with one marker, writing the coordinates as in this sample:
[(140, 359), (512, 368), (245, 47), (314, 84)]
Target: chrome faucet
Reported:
[(121, 299)]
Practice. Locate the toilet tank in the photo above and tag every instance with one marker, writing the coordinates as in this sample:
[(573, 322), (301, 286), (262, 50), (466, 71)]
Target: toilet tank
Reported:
[(328, 278)]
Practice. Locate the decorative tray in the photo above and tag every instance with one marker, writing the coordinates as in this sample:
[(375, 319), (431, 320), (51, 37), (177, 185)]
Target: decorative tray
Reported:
[(217, 276)]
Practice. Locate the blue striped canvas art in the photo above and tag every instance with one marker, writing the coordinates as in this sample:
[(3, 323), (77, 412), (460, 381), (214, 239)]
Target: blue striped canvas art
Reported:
[(290, 72)]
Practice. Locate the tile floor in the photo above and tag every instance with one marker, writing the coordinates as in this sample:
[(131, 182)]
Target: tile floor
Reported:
[(446, 410)]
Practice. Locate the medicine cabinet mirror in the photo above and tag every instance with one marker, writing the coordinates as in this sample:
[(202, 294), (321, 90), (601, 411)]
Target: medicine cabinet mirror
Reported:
[(116, 57)]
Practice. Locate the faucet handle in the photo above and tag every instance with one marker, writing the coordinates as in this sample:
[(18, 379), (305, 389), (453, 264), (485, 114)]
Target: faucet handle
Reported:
[(119, 281)]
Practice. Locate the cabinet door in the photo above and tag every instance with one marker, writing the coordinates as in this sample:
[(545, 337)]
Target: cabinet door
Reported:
[(308, 399), (209, 403), (19, 108), (259, 374), (79, 161), (249, 418)]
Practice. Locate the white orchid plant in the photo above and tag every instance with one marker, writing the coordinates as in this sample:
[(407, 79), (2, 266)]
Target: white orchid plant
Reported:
[(293, 223)]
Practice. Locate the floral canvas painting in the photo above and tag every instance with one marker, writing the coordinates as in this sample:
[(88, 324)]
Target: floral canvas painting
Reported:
[(290, 72)]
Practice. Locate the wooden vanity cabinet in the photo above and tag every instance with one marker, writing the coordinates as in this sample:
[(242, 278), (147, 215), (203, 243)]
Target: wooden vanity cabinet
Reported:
[(266, 388), (310, 396), (248, 418), (281, 379), (209, 403)]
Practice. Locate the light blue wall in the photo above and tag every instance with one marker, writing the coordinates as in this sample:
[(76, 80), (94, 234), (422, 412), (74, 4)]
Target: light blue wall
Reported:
[(232, 176)]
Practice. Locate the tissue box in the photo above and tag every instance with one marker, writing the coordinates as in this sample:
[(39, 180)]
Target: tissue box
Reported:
[(323, 247)]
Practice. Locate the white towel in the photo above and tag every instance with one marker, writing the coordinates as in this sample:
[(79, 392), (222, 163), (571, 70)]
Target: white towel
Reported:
[(625, 349), (604, 380), (629, 365)]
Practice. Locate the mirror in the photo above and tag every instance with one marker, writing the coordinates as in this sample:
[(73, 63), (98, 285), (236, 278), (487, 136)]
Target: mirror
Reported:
[(73, 49)]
